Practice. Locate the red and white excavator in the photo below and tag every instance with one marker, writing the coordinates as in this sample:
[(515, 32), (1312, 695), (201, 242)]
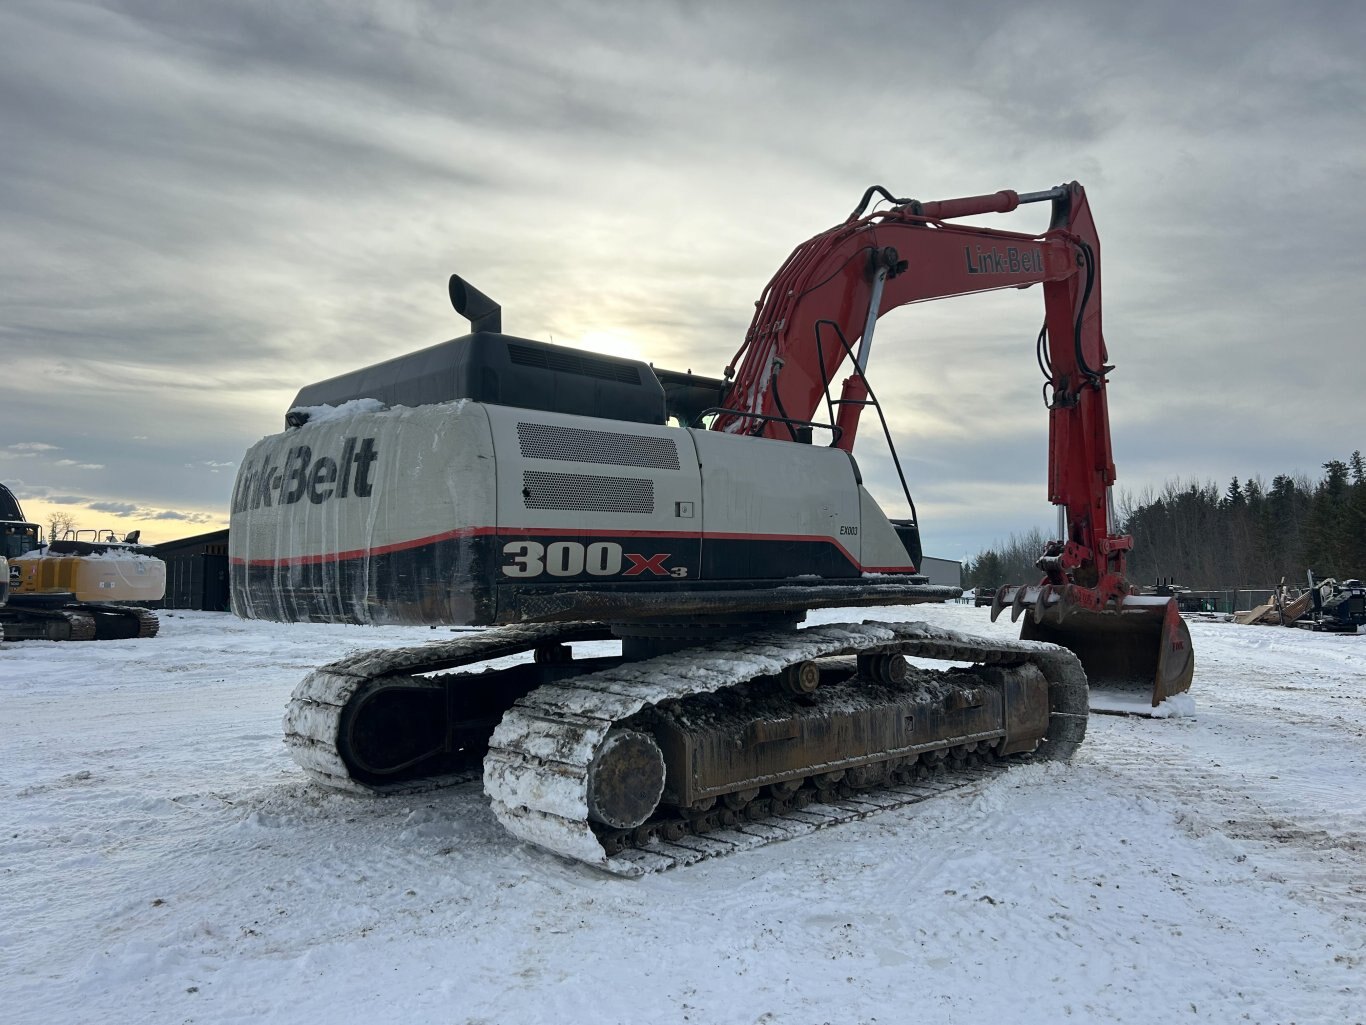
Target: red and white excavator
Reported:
[(558, 496)]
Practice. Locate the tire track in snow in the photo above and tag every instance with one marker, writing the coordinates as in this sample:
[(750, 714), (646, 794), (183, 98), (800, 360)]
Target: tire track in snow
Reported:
[(1252, 780)]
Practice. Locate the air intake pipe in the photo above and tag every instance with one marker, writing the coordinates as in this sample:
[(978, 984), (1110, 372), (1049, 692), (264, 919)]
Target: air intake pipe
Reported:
[(482, 312)]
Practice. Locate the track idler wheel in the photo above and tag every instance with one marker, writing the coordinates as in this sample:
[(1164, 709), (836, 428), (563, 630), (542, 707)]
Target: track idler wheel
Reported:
[(625, 780), (392, 725)]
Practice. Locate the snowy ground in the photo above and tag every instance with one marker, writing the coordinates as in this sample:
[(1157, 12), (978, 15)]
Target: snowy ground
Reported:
[(163, 861)]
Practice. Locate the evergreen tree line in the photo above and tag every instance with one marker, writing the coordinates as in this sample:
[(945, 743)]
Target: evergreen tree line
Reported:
[(1246, 535)]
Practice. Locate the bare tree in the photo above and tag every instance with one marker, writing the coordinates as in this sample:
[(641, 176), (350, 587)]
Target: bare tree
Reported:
[(58, 524)]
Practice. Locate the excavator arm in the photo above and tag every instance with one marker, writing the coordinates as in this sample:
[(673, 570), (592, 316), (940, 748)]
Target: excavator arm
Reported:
[(820, 311)]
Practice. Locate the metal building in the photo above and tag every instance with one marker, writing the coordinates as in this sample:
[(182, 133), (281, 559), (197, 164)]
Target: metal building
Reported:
[(942, 571), (196, 572)]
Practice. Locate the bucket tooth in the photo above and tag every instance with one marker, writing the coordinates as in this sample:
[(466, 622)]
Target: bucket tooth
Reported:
[(1041, 609), (998, 601)]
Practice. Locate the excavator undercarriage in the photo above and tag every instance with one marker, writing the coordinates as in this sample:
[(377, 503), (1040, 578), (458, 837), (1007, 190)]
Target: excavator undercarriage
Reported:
[(634, 766), (60, 617)]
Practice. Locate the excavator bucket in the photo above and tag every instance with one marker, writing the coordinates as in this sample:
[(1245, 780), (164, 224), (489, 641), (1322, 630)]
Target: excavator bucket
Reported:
[(1136, 654)]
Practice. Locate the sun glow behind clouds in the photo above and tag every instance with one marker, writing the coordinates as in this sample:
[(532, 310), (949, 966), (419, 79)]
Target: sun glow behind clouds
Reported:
[(609, 343), (157, 524)]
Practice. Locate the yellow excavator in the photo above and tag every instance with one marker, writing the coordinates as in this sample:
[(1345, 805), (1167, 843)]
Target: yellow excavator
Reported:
[(73, 588)]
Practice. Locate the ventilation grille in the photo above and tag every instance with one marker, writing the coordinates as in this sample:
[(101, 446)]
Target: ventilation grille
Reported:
[(583, 493), (567, 362), (543, 441)]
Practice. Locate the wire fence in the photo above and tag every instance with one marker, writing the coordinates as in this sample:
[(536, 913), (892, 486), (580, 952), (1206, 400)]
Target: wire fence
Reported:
[(1228, 600)]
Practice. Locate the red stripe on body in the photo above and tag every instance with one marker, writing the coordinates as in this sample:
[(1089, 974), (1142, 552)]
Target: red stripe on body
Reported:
[(360, 553)]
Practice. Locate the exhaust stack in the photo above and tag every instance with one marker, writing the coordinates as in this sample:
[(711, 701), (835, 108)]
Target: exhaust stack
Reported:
[(482, 312)]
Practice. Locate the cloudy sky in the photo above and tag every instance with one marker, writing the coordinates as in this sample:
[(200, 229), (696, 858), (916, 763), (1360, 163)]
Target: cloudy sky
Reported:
[(204, 207)]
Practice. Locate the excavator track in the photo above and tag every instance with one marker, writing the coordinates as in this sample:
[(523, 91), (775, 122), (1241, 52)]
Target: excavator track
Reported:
[(61, 624), (317, 721), (121, 622), (81, 625), (686, 840), (78, 621), (539, 770)]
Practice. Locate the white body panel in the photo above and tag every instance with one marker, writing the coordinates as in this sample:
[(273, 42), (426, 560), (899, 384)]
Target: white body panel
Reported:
[(567, 474), (426, 473), (777, 489), (883, 551), (464, 512)]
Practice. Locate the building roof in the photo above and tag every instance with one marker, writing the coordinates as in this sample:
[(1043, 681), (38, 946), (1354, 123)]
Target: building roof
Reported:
[(217, 537)]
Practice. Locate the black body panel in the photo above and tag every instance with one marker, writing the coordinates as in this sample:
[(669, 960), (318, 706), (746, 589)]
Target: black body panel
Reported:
[(439, 582), (464, 580), (504, 371), (774, 559)]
